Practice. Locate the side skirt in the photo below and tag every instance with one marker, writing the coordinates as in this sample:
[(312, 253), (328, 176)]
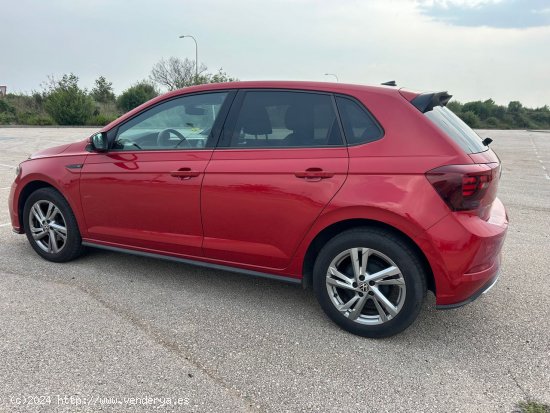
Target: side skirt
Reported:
[(197, 263)]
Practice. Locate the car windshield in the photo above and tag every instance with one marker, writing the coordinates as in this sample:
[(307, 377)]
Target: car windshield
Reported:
[(456, 129)]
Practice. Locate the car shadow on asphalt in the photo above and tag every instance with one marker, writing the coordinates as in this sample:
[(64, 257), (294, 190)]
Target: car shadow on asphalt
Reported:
[(110, 273)]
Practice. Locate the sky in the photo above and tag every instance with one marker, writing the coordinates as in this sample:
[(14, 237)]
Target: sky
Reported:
[(475, 49)]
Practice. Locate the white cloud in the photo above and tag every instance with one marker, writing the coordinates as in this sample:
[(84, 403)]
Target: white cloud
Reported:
[(461, 3), (360, 41)]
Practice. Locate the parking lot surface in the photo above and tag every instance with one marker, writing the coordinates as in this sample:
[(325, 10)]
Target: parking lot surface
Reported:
[(109, 327)]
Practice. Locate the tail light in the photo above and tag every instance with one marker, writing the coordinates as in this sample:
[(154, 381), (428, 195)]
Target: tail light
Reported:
[(466, 187)]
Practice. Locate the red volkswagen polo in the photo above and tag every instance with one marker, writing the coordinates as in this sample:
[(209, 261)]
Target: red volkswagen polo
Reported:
[(371, 195)]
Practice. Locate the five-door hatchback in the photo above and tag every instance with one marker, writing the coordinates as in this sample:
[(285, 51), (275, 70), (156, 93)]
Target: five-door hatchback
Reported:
[(370, 195)]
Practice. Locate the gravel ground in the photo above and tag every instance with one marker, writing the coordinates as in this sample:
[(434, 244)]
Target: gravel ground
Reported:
[(111, 325)]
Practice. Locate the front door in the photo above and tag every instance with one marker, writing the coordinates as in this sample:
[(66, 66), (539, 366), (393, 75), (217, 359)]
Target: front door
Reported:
[(145, 192)]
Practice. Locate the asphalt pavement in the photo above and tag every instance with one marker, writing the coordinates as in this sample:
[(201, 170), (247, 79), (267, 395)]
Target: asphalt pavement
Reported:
[(112, 331)]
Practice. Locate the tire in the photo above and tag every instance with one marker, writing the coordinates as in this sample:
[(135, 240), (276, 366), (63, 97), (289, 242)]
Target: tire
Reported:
[(385, 297), (51, 229)]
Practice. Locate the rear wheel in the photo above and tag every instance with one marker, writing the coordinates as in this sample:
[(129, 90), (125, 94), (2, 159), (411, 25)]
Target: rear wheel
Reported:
[(51, 227), (369, 282)]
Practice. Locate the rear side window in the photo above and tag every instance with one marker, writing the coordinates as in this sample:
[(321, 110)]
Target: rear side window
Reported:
[(456, 129), (359, 125), (279, 119)]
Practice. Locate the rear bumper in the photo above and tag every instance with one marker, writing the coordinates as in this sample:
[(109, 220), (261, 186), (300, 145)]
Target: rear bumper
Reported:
[(464, 252), (490, 284)]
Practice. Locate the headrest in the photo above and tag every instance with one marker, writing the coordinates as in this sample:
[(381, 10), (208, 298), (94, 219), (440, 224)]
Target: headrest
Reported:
[(297, 119), (255, 121)]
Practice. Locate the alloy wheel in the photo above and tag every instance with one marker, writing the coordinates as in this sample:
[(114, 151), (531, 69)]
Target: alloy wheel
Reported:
[(365, 286), (48, 226)]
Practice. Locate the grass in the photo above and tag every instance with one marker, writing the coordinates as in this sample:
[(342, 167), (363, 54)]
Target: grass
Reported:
[(531, 406)]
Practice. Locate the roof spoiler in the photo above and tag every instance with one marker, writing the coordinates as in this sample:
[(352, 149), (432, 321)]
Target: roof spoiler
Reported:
[(427, 101)]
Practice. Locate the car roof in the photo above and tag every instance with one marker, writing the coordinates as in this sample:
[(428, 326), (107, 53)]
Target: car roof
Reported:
[(331, 87), (286, 84)]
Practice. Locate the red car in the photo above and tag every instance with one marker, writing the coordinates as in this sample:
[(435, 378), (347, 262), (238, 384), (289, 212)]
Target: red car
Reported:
[(372, 195)]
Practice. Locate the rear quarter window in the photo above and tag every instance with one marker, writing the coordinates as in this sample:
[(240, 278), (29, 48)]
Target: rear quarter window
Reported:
[(358, 124), (456, 129)]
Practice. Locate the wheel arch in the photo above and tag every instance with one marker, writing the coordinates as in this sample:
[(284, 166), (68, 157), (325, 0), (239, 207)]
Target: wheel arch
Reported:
[(27, 190), (338, 227)]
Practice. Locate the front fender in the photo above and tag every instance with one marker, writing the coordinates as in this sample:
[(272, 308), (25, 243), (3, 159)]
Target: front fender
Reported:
[(61, 173)]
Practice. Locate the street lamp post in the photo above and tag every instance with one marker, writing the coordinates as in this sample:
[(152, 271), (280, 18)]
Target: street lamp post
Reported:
[(332, 74), (196, 54)]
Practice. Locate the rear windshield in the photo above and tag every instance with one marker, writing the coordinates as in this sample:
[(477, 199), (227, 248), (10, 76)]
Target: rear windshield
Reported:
[(456, 129)]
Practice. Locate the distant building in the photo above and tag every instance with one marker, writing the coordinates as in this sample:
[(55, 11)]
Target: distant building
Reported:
[(3, 90)]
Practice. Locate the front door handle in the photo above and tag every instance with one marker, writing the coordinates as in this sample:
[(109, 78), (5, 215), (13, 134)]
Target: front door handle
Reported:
[(313, 174), (185, 173)]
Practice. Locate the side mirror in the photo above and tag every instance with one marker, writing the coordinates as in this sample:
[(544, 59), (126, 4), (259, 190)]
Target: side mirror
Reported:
[(99, 142)]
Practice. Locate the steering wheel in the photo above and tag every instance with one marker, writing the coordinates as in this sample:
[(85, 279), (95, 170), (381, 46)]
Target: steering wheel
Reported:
[(163, 139)]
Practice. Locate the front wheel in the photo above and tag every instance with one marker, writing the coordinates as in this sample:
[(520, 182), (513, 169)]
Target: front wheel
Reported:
[(369, 282), (51, 226)]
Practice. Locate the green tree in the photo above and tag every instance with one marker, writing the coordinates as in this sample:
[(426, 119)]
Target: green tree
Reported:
[(515, 107), (519, 116), (455, 106), (470, 118), (499, 112), (66, 102), (103, 91), (492, 122), (136, 95), (542, 116), (481, 109)]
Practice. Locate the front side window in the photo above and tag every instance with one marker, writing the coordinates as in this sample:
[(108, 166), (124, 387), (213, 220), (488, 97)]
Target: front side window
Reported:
[(281, 119), (182, 123), (359, 125)]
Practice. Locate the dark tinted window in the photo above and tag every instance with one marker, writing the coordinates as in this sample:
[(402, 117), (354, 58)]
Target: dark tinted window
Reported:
[(359, 125), (274, 119), (456, 129)]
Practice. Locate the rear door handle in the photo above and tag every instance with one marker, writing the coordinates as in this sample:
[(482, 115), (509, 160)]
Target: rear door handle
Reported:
[(185, 173), (313, 174)]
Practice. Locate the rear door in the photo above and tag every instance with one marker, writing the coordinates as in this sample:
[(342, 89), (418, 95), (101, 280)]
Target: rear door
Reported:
[(280, 161)]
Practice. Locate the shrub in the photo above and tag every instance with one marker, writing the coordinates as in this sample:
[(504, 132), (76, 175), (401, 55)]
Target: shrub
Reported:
[(478, 108), (6, 108), (38, 120), (136, 95), (523, 121), (455, 106), (101, 120), (66, 103), (532, 406), (492, 122), (7, 118), (470, 118)]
